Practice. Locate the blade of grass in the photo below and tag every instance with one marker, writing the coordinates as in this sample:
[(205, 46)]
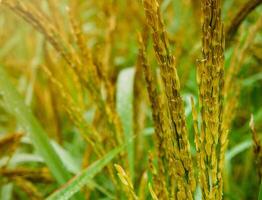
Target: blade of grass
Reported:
[(260, 192), (92, 184), (252, 79), (238, 149), (84, 177), (74, 167), (6, 191), (68, 161), (124, 101), (21, 158), (165, 4), (14, 103)]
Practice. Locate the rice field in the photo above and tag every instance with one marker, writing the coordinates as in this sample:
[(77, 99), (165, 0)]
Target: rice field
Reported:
[(130, 99)]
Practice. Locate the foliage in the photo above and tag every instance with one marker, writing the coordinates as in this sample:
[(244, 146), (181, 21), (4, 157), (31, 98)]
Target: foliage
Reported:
[(130, 99)]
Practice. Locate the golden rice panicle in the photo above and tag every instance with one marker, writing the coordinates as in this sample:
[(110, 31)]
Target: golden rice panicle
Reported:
[(76, 115), (89, 80), (85, 57), (196, 131), (195, 123), (139, 103), (41, 175), (54, 14), (9, 143), (142, 194), (233, 86), (161, 126), (86, 70), (42, 24), (232, 82), (153, 194), (88, 73), (111, 22), (210, 78), (160, 123), (68, 78), (28, 187), (158, 177), (174, 100), (125, 179)]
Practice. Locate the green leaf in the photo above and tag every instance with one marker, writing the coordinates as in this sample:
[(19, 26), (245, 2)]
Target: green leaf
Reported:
[(14, 104), (84, 177), (6, 191), (165, 4), (124, 101), (260, 192), (238, 149), (250, 81), (68, 161), (74, 167), (92, 184), (21, 158)]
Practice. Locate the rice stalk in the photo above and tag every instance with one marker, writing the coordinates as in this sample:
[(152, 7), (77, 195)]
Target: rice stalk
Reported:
[(181, 155)]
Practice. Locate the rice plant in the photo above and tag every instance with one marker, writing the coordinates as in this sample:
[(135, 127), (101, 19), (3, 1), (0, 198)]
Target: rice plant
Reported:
[(130, 99)]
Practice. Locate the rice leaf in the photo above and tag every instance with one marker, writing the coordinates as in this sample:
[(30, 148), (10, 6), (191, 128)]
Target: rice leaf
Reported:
[(260, 192), (74, 167), (238, 149), (6, 191), (84, 177), (68, 161), (124, 100), (14, 104)]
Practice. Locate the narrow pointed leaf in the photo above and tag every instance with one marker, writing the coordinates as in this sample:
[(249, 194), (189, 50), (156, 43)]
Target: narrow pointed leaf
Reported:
[(84, 177), (14, 104), (124, 100)]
